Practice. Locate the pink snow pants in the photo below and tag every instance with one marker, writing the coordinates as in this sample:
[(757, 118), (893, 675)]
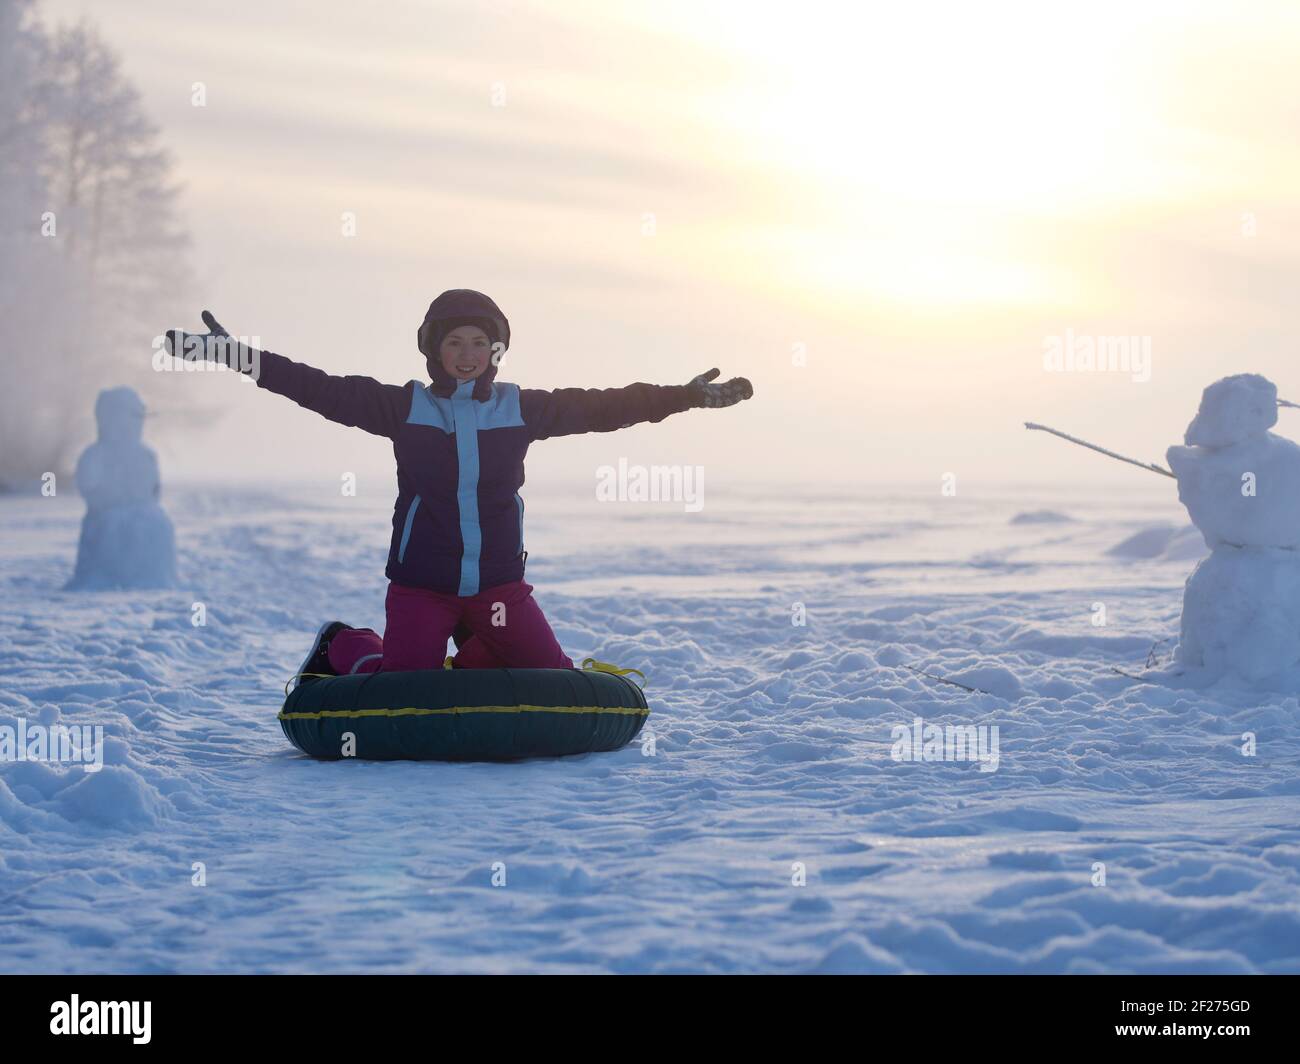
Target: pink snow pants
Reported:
[(509, 631)]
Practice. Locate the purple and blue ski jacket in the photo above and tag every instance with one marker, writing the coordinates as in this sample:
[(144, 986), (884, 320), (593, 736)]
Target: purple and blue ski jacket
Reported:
[(458, 525)]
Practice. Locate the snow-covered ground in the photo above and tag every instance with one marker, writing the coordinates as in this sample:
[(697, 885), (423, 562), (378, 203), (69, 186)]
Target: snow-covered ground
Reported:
[(772, 752)]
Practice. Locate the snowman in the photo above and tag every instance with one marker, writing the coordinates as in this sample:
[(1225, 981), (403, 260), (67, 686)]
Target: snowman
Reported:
[(127, 539), (1241, 486)]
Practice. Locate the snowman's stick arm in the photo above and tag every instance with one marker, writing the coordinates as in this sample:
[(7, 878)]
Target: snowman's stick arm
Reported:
[(1101, 450), (1293, 406)]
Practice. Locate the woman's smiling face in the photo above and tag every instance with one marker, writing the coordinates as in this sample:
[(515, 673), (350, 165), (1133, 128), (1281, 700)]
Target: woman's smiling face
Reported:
[(465, 352)]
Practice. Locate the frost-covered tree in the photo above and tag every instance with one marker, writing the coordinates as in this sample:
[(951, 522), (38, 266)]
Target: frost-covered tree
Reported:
[(33, 276), (91, 252)]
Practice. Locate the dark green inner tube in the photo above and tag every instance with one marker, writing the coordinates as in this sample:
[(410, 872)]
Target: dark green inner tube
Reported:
[(463, 714)]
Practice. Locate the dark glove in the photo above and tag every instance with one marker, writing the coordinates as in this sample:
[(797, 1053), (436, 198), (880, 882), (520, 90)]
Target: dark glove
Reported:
[(727, 394), (215, 345)]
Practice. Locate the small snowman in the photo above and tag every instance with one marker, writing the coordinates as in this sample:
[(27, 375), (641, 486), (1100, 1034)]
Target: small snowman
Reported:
[(127, 540), (1241, 486)]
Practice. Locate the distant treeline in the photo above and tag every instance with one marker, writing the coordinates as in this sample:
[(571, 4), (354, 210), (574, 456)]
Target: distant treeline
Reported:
[(92, 253)]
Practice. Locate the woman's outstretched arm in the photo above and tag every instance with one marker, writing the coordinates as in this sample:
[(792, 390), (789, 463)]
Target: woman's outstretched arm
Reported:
[(358, 402), (568, 411)]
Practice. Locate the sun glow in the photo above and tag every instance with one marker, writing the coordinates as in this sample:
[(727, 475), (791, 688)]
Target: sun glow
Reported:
[(935, 149), (928, 138)]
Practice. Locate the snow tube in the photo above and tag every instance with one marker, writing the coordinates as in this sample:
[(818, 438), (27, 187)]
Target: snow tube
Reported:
[(463, 714)]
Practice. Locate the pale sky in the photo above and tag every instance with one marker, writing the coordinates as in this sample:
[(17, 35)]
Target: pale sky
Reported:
[(916, 195)]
